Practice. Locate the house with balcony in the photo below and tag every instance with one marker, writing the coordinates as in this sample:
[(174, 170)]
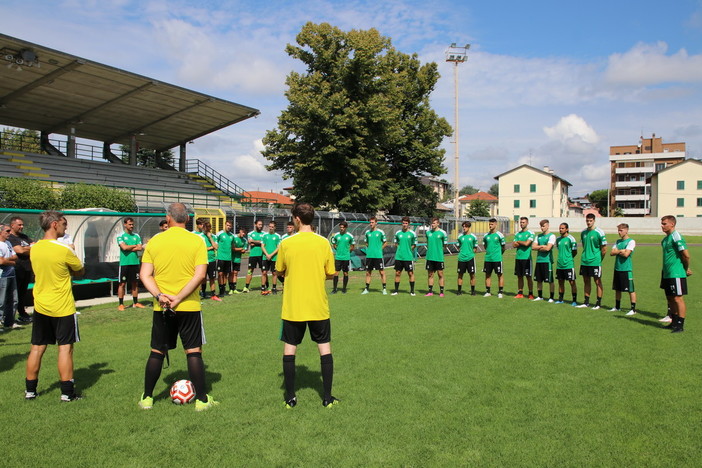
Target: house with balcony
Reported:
[(631, 166)]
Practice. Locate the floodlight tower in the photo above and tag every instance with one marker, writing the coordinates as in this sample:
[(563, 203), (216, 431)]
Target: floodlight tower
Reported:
[(456, 54)]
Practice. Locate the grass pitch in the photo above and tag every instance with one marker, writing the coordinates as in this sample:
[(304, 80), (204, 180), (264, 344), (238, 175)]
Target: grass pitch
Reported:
[(423, 381)]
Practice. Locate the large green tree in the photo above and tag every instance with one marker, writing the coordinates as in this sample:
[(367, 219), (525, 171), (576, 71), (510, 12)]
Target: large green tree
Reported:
[(358, 131)]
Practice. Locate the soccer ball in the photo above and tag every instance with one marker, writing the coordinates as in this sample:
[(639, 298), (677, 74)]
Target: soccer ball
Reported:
[(182, 392)]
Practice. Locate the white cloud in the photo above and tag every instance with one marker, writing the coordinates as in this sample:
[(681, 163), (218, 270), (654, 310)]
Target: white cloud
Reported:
[(574, 133), (648, 64)]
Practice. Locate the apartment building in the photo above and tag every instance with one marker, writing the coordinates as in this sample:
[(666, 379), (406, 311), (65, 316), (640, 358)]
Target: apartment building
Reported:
[(632, 165), (677, 190), (531, 192)]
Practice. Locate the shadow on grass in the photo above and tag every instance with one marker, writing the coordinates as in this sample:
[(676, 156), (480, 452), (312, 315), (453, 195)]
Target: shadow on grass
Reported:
[(85, 377), (182, 374), (11, 360), (305, 378), (645, 320)]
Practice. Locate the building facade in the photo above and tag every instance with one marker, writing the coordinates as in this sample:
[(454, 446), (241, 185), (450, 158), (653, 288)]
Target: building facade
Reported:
[(677, 190), (467, 200), (527, 191), (632, 165)]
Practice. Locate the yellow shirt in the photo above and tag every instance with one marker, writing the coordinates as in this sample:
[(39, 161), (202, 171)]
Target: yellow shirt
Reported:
[(307, 259), (53, 262), (174, 254)]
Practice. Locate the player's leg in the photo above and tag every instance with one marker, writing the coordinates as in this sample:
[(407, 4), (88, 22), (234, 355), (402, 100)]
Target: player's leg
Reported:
[(398, 274), (121, 287), (599, 288), (249, 275), (289, 351), (382, 276), (441, 281), (36, 352), (135, 294), (587, 288), (488, 280), (459, 283), (574, 290), (369, 269), (411, 278), (65, 368), (345, 281), (335, 281)]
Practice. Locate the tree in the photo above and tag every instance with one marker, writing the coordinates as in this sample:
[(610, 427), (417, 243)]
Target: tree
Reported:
[(20, 140), (479, 208), (76, 196), (28, 194), (148, 157), (468, 190), (599, 199), (358, 131), (494, 190)]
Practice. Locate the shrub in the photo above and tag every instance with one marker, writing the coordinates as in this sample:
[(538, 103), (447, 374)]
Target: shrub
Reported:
[(26, 194), (76, 196)]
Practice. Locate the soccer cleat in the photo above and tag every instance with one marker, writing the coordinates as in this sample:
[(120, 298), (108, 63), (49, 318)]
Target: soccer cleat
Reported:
[(74, 397), (146, 402), (581, 306), (412, 294), (666, 319), (595, 307), (538, 299), (472, 293), (575, 304), (216, 298), (499, 295), (429, 294), (290, 403), (677, 329), (120, 307), (30, 395), (385, 293), (245, 290), (343, 291), (487, 294), (234, 291), (24, 319), (265, 292), (531, 296), (550, 301), (519, 296), (274, 291), (630, 313), (137, 305), (202, 406), (15, 326), (614, 309), (459, 293), (333, 291), (559, 302), (333, 401), (365, 291), (441, 294), (394, 293)]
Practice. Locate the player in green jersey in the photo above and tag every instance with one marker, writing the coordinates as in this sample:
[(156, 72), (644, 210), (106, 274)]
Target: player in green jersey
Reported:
[(271, 243), (225, 239), (289, 230), (436, 240), (543, 245), (129, 243), (376, 241), (565, 265), (255, 238), (406, 243), (623, 280), (468, 246), (522, 263), (343, 243), (594, 250), (494, 243), (211, 244), (239, 245), (676, 269)]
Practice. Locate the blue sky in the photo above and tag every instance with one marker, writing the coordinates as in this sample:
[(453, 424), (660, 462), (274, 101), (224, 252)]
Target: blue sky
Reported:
[(547, 83)]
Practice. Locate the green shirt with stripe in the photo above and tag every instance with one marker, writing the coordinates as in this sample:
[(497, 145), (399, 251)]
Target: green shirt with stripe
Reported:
[(211, 253), (567, 248), (524, 252), (342, 245), (128, 257), (673, 245), (406, 241), (545, 239), (375, 240), (255, 249), (467, 244), (436, 240), (239, 243), (593, 240), (493, 244), (624, 263), (271, 243), (224, 245)]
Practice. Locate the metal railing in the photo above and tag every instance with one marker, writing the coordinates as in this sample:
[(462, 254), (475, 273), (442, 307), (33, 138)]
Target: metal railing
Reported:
[(195, 166)]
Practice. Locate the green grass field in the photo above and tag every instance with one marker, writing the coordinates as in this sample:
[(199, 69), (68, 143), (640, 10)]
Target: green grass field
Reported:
[(453, 381)]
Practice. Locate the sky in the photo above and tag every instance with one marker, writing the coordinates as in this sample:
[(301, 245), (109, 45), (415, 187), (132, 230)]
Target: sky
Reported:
[(546, 83)]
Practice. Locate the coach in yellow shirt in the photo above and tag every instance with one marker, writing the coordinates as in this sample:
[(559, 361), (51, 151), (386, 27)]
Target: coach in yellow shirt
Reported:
[(173, 266), (54, 308), (306, 261)]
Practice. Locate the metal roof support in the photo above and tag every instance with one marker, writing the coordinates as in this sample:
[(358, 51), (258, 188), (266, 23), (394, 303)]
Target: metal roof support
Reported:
[(181, 160), (40, 82)]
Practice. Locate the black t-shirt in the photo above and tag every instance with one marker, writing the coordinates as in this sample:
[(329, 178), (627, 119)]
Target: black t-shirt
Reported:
[(23, 240)]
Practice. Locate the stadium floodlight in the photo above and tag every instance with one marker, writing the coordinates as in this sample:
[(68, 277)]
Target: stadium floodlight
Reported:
[(456, 54)]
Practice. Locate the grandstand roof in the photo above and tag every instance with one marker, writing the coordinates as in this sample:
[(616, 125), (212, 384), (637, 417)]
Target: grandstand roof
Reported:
[(48, 90)]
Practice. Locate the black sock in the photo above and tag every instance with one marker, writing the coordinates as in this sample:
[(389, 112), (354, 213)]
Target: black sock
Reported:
[(430, 288), (247, 285), (411, 286), (289, 375), (560, 297), (135, 299), (617, 304), (121, 301), (540, 292), (67, 388), (232, 286), (383, 285), (599, 301), (633, 306), (345, 282), (327, 364), (500, 290), (367, 286), (575, 298), (531, 293), (487, 289), (196, 372), (441, 289), (222, 289), (397, 286), (551, 295), (336, 282), (31, 385), (153, 371), (520, 292), (460, 286), (586, 301), (472, 289)]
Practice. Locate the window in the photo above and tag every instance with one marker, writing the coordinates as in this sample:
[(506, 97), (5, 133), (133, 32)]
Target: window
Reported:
[(532, 188), (516, 203), (681, 202), (699, 185), (532, 203), (516, 188), (660, 166), (699, 202), (681, 185)]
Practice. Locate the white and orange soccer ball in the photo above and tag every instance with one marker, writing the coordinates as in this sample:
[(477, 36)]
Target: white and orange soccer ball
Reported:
[(182, 392)]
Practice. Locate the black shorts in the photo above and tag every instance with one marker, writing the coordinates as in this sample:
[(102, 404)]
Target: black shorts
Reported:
[(466, 267), (623, 281), (543, 273), (224, 266), (293, 332), (48, 330), (167, 325), (212, 270), (406, 265), (236, 266), (268, 265), (341, 265), (489, 267), (128, 273), (591, 271), (566, 274), (255, 262), (522, 267), (674, 286), (374, 264), (434, 265)]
